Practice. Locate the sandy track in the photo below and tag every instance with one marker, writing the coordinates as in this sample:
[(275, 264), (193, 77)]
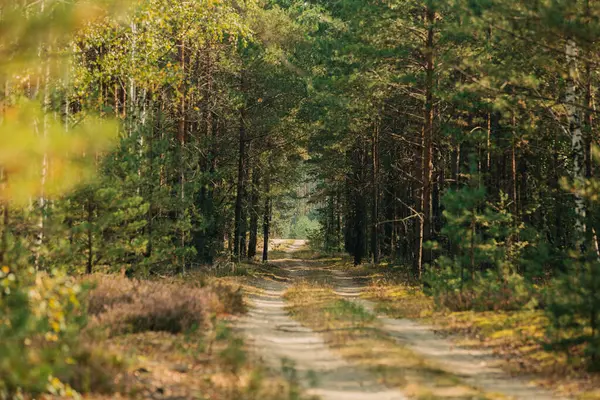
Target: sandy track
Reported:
[(279, 340), (275, 337), (478, 368)]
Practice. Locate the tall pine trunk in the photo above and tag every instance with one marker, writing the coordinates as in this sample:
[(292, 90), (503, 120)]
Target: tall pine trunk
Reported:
[(424, 199), (267, 218), (254, 213), (181, 141), (239, 200), (375, 246)]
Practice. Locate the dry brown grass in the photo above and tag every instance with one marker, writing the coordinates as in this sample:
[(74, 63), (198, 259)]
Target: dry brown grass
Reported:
[(131, 306), (153, 325), (166, 366)]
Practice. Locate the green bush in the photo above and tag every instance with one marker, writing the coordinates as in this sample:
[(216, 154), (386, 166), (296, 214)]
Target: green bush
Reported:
[(316, 240), (482, 237), (487, 291), (41, 317), (303, 227), (573, 298), (573, 307)]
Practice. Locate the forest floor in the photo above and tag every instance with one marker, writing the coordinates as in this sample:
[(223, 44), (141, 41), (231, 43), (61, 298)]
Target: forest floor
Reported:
[(319, 328), (144, 361), (328, 324)]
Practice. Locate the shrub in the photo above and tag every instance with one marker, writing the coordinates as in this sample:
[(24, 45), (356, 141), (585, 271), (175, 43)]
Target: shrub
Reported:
[(124, 305), (487, 291), (232, 300), (574, 311), (303, 227), (110, 291), (480, 270), (96, 370), (316, 240), (40, 320)]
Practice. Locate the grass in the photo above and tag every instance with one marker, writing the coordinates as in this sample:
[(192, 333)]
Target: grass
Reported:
[(398, 300), (517, 337), (356, 334)]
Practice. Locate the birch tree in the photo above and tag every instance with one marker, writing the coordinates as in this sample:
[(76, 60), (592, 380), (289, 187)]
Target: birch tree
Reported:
[(573, 103)]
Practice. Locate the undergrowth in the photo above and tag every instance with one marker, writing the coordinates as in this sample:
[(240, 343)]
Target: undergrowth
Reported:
[(130, 306), (181, 346), (42, 350)]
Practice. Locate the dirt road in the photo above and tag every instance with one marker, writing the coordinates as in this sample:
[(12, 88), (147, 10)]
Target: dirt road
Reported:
[(284, 343)]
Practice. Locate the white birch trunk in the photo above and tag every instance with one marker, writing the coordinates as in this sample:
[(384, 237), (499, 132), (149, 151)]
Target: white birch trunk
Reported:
[(573, 100), (42, 198), (132, 109), (143, 119)]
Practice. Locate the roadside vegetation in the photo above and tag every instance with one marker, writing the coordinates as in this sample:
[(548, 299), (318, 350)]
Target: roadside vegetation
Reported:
[(120, 338), (520, 338)]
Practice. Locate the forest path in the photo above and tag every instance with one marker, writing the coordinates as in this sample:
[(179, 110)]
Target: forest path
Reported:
[(284, 343), (276, 337), (478, 368)]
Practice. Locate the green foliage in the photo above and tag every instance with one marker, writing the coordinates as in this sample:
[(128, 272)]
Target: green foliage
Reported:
[(343, 310), (573, 306), (484, 291), (303, 227), (573, 299), (481, 270), (40, 320), (316, 240)]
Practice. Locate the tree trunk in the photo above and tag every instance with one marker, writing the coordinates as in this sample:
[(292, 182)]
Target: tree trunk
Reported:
[(266, 218), (375, 195), (589, 164), (90, 239), (44, 173), (424, 200), (5, 224), (254, 213), (239, 200), (245, 210), (181, 139), (573, 101), (359, 203), (338, 224)]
